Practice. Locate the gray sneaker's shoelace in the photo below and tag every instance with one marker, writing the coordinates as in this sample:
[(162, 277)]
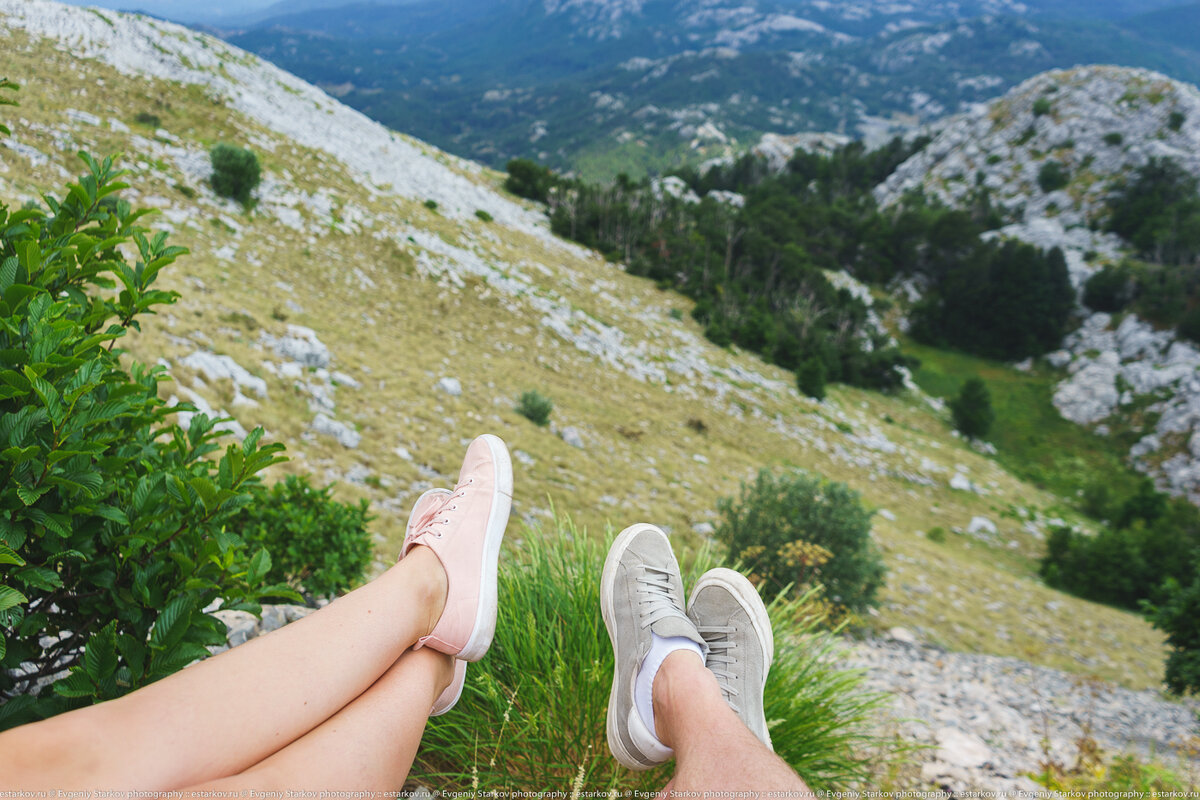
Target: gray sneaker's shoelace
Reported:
[(720, 660), (657, 593)]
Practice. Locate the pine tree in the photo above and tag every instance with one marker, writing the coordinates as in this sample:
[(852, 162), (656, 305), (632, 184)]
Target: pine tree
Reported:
[(810, 378)]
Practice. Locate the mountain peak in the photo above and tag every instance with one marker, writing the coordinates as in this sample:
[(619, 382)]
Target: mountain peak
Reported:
[(1091, 124)]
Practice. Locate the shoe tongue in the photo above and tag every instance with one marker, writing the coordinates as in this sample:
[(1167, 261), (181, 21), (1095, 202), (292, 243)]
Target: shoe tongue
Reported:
[(677, 626)]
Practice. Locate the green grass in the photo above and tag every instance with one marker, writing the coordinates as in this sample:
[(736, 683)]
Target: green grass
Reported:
[(1032, 439), (532, 713)]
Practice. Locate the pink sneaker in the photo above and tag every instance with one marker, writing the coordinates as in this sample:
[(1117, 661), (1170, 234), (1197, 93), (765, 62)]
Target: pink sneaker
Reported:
[(423, 511), (465, 533), (448, 698)]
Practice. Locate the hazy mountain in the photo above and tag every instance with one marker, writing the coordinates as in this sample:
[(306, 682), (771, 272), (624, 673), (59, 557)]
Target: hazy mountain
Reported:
[(642, 84), (1178, 25)]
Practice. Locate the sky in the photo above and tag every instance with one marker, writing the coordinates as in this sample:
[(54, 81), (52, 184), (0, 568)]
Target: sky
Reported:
[(184, 10)]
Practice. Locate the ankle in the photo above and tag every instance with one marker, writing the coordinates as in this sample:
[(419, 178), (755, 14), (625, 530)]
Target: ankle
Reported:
[(680, 682), (426, 572)]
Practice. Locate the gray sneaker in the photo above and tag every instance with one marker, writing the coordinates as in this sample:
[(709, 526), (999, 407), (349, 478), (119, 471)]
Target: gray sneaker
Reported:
[(641, 593), (731, 617)]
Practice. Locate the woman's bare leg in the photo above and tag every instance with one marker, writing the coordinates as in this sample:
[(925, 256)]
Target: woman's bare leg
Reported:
[(232, 711), (368, 745)]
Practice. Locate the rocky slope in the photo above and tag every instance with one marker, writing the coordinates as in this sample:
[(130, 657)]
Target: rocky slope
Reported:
[(1100, 124), (369, 318)]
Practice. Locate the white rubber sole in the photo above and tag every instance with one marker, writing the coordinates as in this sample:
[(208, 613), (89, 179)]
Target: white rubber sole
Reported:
[(485, 616), (740, 587), (608, 612), (457, 695)]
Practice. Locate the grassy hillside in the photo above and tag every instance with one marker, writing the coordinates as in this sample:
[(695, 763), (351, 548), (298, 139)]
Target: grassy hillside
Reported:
[(404, 295)]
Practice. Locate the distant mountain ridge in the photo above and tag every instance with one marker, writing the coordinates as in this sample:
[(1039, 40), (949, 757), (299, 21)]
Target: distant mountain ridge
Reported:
[(628, 84)]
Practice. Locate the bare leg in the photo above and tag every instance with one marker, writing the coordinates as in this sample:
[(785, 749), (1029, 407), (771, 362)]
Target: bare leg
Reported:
[(229, 712), (714, 750), (368, 745)]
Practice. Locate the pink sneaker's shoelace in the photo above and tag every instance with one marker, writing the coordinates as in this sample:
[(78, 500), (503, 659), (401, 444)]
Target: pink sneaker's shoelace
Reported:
[(435, 515)]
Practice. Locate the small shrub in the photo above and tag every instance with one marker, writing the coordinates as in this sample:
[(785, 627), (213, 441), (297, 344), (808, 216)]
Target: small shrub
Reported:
[(937, 535), (1114, 139), (675, 313), (1042, 107), (236, 172), (317, 545), (1110, 289), (810, 378), (483, 215), (431, 205), (795, 529), (1178, 616), (535, 407), (994, 159), (1176, 120), (542, 735), (972, 409), (148, 119), (1053, 176), (1026, 135)]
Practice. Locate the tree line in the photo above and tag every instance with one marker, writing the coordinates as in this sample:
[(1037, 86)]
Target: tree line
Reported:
[(752, 247)]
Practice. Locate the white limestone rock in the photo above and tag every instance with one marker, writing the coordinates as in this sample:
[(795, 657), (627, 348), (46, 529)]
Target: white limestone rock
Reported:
[(300, 345), (345, 435), (214, 368)]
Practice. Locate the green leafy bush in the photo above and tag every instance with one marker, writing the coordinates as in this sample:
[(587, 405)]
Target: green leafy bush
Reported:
[(532, 713), (236, 172), (1153, 538), (972, 409), (483, 215), (1178, 616), (1176, 120), (1053, 176), (535, 407), (1042, 107), (769, 525), (1111, 289), (317, 545), (112, 516), (1114, 139)]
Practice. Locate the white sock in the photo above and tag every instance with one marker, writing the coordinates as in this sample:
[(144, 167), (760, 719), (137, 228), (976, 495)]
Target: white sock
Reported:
[(643, 684)]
